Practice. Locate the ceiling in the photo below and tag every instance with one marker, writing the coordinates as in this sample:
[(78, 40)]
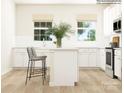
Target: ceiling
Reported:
[(55, 1)]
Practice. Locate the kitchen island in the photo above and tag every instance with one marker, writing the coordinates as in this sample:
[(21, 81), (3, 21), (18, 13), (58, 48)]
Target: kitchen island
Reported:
[(63, 67)]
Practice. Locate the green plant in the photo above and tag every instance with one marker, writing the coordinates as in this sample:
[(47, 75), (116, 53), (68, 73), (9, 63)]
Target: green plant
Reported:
[(59, 31)]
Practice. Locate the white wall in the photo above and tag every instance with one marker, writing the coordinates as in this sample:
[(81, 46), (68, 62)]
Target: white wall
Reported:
[(65, 13), (7, 33)]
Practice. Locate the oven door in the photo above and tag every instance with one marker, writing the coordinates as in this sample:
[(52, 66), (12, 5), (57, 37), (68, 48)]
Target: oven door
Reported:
[(109, 60)]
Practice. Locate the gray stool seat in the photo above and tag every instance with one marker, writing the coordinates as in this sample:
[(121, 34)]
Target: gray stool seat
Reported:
[(38, 58)]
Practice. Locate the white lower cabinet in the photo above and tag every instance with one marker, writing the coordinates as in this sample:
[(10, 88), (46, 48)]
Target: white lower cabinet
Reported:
[(102, 59), (20, 57), (88, 57), (118, 65), (83, 60), (92, 60)]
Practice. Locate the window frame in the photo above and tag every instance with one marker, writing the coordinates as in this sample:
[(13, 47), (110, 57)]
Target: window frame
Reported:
[(41, 28), (82, 28)]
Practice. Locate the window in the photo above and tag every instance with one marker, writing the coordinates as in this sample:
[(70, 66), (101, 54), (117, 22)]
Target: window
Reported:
[(86, 30), (40, 29)]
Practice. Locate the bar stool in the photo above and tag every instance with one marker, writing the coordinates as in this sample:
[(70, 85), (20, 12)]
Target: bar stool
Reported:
[(31, 65), (44, 68)]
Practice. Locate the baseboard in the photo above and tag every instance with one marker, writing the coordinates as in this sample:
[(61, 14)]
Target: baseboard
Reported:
[(89, 68), (6, 74), (19, 68), (102, 69), (25, 68)]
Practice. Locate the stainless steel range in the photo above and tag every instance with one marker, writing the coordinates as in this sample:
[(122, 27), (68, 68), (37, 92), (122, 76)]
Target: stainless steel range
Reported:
[(110, 62)]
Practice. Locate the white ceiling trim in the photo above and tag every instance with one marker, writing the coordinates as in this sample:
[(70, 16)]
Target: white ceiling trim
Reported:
[(55, 1)]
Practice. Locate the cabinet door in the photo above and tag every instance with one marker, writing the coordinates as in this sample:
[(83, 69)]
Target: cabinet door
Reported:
[(118, 66), (92, 60), (25, 59), (19, 59), (108, 22), (116, 11), (102, 59), (83, 60)]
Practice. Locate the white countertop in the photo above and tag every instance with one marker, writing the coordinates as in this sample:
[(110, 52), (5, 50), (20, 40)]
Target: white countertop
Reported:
[(67, 49), (64, 48)]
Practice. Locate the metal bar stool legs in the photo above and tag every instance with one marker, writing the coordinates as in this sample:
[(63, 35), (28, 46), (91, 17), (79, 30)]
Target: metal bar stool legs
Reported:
[(31, 68), (27, 72), (44, 70)]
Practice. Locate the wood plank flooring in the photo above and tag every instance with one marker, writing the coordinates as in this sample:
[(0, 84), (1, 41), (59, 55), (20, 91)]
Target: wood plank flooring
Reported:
[(90, 81)]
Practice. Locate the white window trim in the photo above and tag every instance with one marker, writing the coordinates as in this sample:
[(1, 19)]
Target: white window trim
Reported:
[(81, 28), (40, 28)]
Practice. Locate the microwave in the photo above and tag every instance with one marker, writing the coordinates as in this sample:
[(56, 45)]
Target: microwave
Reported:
[(117, 25)]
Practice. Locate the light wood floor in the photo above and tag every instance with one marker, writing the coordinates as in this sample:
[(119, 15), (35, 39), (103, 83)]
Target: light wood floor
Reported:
[(91, 81)]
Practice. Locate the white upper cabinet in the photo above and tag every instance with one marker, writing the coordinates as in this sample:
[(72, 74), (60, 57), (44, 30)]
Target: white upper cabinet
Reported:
[(116, 11), (107, 21), (111, 13)]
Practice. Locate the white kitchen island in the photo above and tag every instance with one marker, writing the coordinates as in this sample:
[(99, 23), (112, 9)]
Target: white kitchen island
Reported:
[(63, 67)]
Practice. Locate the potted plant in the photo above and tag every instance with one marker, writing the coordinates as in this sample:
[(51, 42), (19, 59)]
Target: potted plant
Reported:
[(59, 31)]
